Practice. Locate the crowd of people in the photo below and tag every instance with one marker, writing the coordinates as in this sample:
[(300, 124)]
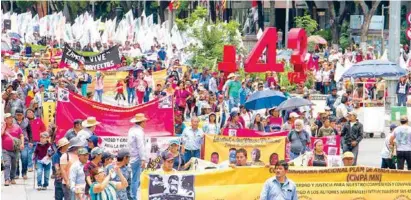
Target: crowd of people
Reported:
[(205, 102)]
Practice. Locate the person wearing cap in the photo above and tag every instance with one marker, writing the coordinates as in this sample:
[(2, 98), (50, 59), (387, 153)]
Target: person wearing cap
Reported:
[(402, 137), (42, 157), (45, 81), (342, 109), (92, 142), (299, 139), (192, 140), (232, 91), (137, 150), (24, 124), (75, 130), (123, 159), (9, 132), (89, 127), (168, 163), (77, 177), (280, 186), (95, 162), (62, 147), (102, 187), (352, 134), (66, 161), (107, 160), (348, 159), (289, 125), (14, 103), (388, 150), (233, 122)]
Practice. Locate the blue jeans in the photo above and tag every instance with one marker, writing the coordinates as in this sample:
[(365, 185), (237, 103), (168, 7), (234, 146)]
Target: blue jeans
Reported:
[(402, 100), (233, 102), (99, 95), (31, 151), (188, 154), (131, 93), (24, 156), (84, 89), (293, 155), (135, 178), (58, 190), (147, 95), (42, 169)]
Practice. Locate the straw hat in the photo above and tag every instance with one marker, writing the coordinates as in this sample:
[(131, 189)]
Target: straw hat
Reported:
[(231, 75), (139, 117), (89, 122), (62, 142)]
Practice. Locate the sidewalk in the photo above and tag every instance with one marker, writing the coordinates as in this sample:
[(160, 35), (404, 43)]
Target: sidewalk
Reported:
[(23, 190)]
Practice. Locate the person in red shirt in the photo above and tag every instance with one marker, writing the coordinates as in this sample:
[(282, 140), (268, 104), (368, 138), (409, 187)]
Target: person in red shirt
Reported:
[(141, 85), (120, 92), (37, 127), (43, 159), (9, 132)]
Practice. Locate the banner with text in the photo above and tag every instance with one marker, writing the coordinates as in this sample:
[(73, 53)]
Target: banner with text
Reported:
[(49, 109), (154, 147), (106, 60), (331, 144), (267, 150), (363, 183), (114, 121)]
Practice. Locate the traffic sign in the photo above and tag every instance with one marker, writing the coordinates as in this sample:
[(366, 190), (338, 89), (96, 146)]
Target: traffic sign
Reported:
[(408, 33), (409, 18)]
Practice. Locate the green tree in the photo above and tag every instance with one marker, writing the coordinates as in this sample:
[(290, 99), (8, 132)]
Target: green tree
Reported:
[(24, 5), (307, 23), (212, 38)]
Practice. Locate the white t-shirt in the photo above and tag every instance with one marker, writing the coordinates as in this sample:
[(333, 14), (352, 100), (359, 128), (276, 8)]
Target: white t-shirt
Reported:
[(326, 76), (385, 152), (403, 137)]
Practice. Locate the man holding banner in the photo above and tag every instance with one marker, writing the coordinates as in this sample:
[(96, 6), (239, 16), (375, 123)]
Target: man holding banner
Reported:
[(279, 187)]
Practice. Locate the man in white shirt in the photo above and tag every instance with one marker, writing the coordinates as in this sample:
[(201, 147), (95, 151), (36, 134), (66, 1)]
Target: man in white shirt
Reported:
[(77, 177), (402, 137), (137, 151)]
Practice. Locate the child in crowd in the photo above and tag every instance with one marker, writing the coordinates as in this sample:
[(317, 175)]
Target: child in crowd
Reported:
[(120, 92), (43, 160)]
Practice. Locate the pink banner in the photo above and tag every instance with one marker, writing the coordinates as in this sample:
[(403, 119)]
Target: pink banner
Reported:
[(115, 121), (332, 144)]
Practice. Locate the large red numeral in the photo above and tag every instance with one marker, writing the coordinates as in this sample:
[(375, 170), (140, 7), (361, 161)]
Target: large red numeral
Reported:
[(268, 41), (228, 65), (297, 40)]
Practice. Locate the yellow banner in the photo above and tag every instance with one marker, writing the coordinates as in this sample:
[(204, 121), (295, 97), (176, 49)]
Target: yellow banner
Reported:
[(259, 149), (49, 108), (359, 183)]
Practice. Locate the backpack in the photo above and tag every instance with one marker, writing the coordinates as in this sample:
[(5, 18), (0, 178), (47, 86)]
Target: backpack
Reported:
[(89, 78)]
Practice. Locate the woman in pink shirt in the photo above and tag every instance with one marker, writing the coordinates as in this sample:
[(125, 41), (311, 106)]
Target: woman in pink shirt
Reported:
[(98, 88), (141, 86)]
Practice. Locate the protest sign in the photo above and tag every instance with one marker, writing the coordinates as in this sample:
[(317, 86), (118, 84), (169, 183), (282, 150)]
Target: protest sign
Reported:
[(49, 109), (106, 60), (331, 144), (154, 147), (114, 121), (259, 149), (340, 183)]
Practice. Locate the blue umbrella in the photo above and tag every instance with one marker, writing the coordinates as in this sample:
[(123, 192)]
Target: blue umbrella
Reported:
[(264, 99), (374, 69), (294, 103), (14, 35)]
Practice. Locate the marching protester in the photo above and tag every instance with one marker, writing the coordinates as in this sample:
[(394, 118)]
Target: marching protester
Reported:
[(77, 176), (352, 134), (348, 159), (168, 163), (71, 133), (42, 157), (24, 124), (402, 137), (319, 158), (299, 139), (62, 147), (123, 158), (95, 162), (66, 161), (102, 187), (279, 187), (89, 127), (137, 155), (388, 150), (192, 140)]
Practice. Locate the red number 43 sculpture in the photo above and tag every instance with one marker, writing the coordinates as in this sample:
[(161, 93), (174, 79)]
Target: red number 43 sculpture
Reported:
[(297, 40)]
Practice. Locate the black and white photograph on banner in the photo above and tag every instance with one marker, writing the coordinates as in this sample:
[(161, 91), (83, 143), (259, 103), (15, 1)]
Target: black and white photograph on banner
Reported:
[(171, 187)]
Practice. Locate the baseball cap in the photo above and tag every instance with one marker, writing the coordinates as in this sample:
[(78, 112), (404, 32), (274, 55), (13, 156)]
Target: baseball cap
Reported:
[(353, 113), (393, 126), (7, 115), (233, 113), (174, 142), (107, 155), (348, 154), (123, 153), (167, 156), (44, 135), (82, 151), (19, 111), (96, 151), (294, 114)]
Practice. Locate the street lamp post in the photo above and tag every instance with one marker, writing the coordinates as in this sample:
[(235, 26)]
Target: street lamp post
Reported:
[(394, 45), (382, 30), (287, 15)]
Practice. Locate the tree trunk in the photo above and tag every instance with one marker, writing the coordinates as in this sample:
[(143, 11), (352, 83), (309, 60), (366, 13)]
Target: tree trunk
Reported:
[(260, 15), (367, 21), (272, 13), (161, 10), (212, 11)]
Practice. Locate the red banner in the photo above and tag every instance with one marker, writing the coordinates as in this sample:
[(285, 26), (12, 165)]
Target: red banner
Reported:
[(332, 144), (114, 121)]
